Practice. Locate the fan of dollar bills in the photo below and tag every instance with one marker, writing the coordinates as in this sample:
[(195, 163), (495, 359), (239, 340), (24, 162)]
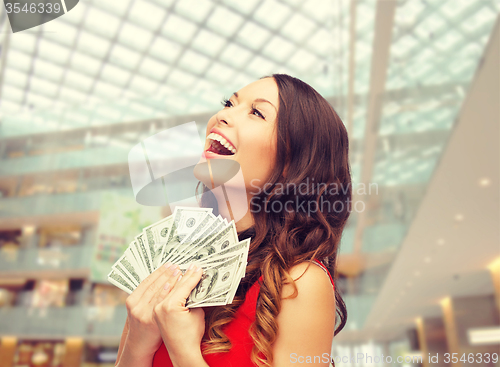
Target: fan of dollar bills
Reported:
[(189, 235)]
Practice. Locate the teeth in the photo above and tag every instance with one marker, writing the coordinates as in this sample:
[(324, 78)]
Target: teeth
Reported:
[(222, 141)]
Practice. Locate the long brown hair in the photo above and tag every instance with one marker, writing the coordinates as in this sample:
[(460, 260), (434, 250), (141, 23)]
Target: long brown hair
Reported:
[(300, 215)]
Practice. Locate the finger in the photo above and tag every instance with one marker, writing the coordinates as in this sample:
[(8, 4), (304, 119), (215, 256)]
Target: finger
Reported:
[(168, 286), (146, 283), (170, 275), (186, 284)]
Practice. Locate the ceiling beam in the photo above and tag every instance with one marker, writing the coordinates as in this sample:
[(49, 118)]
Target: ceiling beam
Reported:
[(384, 21)]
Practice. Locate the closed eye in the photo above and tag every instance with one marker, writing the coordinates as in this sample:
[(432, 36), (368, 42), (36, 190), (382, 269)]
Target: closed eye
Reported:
[(256, 112)]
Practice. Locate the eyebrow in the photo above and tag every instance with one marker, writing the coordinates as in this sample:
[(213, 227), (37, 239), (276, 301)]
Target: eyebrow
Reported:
[(258, 100)]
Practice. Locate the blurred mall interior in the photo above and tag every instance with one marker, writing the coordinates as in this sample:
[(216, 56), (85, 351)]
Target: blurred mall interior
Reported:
[(415, 82)]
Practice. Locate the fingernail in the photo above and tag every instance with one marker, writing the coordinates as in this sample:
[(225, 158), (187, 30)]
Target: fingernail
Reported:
[(177, 271), (173, 266), (190, 266), (198, 269), (167, 286), (167, 265), (179, 278)]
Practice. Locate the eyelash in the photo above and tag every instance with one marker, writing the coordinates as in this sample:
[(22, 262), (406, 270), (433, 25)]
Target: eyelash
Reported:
[(227, 103)]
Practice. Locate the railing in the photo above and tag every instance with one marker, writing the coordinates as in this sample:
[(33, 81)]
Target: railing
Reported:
[(67, 160), (60, 322), (55, 258)]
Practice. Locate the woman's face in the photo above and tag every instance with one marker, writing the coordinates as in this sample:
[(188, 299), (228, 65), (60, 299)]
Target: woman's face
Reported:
[(244, 131)]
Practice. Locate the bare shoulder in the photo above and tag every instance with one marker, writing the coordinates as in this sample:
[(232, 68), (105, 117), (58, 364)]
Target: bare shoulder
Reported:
[(311, 281), (306, 322)]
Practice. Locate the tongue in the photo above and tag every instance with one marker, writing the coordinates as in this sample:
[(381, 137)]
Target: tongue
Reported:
[(220, 149)]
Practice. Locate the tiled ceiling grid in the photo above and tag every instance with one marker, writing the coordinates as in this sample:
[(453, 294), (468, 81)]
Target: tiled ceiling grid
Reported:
[(112, 61)]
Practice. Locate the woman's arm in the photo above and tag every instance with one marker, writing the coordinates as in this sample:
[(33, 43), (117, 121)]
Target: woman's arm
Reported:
[(307, 322), (122, 342)]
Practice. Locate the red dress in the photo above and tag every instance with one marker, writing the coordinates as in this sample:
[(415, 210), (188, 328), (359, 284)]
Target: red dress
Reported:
[(236, 331)]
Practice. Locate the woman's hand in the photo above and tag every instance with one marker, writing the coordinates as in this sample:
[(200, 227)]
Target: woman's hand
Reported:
[(144, 337), (181, 328)]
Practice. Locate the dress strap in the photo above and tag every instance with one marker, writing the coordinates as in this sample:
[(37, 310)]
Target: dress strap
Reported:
[(322, 266)]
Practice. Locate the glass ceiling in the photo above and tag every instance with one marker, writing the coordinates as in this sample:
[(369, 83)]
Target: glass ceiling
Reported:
[(113, 61)]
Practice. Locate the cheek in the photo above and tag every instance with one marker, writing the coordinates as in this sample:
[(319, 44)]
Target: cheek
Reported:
[(259, 161), (211, 124)]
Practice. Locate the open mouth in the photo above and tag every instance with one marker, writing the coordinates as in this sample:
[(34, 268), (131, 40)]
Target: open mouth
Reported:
[(219, 145)]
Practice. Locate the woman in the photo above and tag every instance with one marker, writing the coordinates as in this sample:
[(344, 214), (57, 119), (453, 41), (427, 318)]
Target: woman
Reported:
[(293, 151)]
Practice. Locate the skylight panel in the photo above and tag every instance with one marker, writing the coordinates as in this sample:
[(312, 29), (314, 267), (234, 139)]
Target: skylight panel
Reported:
[(135, 37), (194, 61), (124, 57), (260, 67), (195, 10), (272, 14), (78, 80), (295, 3), (235, 55), (164, 3), (109, 112), (253, 36), (179, 29), (143, 85), (425, 56), (224, 21), (176, 103), (154, 69), (433, 23), (243, 79), (12, 94), (53, 52), (118, 8), (451, 9), (43, 87), (71, 95), (322, 41), (298, 27), (403, 46), (147, 15), (302, 60), (115, 75), (321, 10), (38, 100), (363, 50), (18, 60), (85, 64), (278, 49), (448, 41), (25, 42), (481, 18), (64, 33), (9, 107), (15, 78), (106, 90), (245, 7), (104, 23), (48, 70), (208, 42), (164, 49), (219, 73), (77, 118), (181, 79), (93, 45), (75, 17)]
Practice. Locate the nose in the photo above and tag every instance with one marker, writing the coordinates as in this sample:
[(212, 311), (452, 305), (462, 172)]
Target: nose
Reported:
[(224, 117)]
